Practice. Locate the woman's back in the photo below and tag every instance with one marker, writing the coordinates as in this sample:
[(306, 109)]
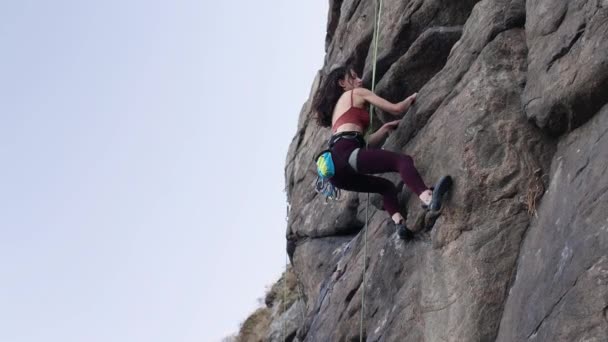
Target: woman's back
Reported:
[(349, 113)]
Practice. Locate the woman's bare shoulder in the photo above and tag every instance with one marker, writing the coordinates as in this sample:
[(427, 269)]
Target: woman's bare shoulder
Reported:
[(361, 91), (359, 95)]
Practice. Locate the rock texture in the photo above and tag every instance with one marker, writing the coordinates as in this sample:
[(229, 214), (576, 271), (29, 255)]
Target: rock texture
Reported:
[(561, 289), (568, 62), (513, 104)]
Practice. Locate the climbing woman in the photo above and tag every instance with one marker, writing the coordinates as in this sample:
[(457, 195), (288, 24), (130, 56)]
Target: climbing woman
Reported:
[(340, 104)]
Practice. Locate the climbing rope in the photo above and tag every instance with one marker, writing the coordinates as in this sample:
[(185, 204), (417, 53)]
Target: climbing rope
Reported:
[(299, 300), (377, 8), (285, 295), (285, 278)]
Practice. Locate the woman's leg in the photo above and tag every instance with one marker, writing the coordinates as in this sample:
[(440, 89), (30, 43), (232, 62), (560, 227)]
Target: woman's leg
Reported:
[(371, 160), (365, 183)]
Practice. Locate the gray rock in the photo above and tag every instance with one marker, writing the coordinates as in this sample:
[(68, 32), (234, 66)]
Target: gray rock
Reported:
[(567, 62), (561, 288), (423, 60), (283, 327), (488, 18)]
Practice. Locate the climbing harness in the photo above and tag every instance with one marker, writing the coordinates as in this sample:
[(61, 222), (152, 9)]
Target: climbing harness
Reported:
[(326, 168)]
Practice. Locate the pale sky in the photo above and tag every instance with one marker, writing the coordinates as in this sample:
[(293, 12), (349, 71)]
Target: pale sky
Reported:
[(143, 146)]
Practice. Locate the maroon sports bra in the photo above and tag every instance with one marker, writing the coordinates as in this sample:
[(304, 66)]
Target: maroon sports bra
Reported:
[(354, 115)]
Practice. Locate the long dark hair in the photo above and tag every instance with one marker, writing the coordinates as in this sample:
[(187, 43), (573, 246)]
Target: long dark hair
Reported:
[(328, 94)]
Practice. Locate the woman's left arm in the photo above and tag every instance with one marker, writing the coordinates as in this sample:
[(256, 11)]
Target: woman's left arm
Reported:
[(377, 138), (407, 103), (393, 108)]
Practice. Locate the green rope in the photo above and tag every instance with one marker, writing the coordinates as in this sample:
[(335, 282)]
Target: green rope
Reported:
[(284, 295), (377, 9), (300, 298), (285, 279)]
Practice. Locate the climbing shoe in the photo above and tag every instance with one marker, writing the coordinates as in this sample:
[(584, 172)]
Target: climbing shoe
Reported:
[(442, 186), (403, 231)]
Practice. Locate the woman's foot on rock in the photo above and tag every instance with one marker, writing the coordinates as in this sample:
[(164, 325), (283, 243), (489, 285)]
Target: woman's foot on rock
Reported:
[(443, 185), (403, 231)]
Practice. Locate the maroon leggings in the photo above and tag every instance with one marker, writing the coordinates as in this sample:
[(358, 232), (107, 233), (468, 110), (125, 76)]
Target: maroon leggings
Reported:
[(372, 161)]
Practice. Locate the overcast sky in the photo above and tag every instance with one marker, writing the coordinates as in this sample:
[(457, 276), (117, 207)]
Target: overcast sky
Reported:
[(143, 146)]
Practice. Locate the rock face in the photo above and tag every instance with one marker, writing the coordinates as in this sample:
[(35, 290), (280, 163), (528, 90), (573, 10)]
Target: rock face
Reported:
[(512, 103), (568, 69), (561, 289)]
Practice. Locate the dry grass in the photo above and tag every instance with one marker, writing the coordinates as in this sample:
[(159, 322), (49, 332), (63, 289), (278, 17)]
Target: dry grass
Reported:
[(282, 295), (255, 328), (536, 189)]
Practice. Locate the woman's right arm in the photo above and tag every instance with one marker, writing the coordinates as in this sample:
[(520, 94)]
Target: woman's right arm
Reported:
[(393, 108)]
